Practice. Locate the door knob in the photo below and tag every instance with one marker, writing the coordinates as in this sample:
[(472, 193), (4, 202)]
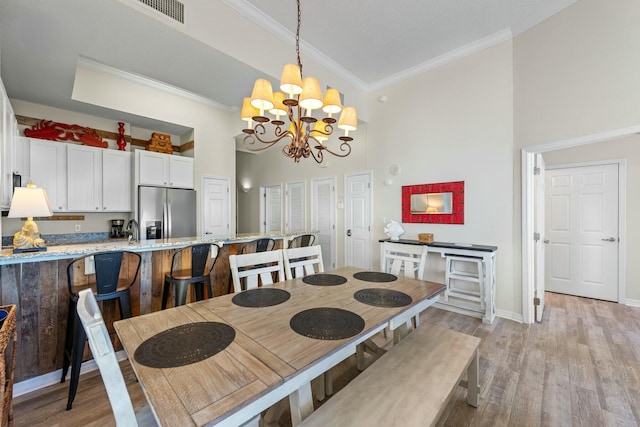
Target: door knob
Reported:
[(349, 233), (610, 239), (546, 241)]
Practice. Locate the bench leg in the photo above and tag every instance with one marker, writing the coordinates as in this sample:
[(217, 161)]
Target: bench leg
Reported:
[(473, 381), (320, 387), (301, 404), (399, 333), (328, 382)]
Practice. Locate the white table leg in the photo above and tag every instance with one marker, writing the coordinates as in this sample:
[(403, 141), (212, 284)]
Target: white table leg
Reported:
[(301, 403)]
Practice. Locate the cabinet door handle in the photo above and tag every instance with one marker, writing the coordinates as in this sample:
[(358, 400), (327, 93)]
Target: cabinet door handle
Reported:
[(97, 208)]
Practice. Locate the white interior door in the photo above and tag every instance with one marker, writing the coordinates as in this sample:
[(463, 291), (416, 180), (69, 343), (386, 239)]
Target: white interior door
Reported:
[(296, 203), (323, 218), (216, 206), (540, 239), (272, 208), (582, 229), (357, 219)]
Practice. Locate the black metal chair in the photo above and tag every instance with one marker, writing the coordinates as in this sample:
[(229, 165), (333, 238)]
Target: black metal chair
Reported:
[(198, 274), (106, 284), (259, 245), (302, 241)]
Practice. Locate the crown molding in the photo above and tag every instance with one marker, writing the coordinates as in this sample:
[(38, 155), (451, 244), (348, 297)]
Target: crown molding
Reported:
[(84, 62), (454, 55), (265, 21)]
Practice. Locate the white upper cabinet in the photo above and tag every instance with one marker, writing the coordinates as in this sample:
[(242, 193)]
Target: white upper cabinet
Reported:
[(48, 169), (164, 170), (116, 181), (99, 180), (84, 178), (13, 153)]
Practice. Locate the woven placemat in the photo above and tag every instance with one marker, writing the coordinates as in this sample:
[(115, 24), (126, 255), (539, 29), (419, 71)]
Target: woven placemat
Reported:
[(323, 279), (184, 344), (327, 323), (383, 297), (375, 276), (261, 297)]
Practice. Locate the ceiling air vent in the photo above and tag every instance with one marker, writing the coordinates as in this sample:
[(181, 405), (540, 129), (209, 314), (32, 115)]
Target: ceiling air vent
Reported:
[(171, 8)]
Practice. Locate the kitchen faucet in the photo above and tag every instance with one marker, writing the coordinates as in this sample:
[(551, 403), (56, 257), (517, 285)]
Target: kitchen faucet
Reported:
[(133, 231)]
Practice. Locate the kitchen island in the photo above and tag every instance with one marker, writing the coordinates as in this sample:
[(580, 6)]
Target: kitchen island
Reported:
[(36, 283)]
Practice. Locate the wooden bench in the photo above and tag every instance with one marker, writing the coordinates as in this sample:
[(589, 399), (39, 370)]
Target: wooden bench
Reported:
[(408, 386)]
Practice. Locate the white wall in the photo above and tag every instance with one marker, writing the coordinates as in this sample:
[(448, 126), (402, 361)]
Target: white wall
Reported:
[(452, 124), (214, 129), (576, 74)]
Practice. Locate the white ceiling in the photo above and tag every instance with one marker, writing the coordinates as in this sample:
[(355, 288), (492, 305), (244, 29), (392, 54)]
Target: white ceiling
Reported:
[(372, 43)]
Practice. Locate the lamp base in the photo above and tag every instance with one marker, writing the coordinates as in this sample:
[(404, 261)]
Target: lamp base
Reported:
[(19, 251)]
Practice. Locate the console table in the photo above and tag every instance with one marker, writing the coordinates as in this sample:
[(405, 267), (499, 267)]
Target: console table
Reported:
[(488, 256)]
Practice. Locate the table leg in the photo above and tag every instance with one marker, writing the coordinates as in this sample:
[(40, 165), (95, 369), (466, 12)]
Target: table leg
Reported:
[(301, 404), (473, 382)]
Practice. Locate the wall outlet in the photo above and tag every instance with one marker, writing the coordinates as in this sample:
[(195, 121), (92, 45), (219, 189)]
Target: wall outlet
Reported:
[(78, 227)]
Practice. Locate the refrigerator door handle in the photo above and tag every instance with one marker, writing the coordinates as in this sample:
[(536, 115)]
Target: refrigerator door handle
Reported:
[(169, 220), (164, 221)]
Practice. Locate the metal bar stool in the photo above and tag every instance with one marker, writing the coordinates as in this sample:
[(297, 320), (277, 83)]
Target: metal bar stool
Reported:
[(101, 273), (302, 241), (198, 274)]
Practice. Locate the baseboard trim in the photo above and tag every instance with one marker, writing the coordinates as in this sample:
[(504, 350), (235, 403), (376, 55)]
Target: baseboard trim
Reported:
[(516, 317), (42, 381), (632, 302)]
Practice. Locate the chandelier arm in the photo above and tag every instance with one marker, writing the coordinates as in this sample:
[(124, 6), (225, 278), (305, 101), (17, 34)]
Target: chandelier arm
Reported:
[(251, 139), (344, 147)]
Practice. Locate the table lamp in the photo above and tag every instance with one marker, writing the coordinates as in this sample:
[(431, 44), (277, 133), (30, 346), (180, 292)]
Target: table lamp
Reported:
[(28, 202)]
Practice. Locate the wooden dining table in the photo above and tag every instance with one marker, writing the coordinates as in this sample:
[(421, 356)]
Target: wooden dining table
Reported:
[(266, 360)]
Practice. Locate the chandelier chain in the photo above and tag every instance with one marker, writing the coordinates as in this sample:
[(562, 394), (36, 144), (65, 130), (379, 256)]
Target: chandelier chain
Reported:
[(298, 38)]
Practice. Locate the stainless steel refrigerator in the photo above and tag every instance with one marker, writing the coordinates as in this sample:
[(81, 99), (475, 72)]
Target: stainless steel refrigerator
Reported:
[(166, 212)]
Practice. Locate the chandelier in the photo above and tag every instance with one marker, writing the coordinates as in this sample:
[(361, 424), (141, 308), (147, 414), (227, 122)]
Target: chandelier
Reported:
[(305, 135)]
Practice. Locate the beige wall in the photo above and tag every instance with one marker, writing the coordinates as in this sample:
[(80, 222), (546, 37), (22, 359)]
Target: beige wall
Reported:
[(452, 124), (576, 74), (625, 148)]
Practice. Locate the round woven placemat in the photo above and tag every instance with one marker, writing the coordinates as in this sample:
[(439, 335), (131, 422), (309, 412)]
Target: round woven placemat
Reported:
[(375, 276), (383, 297), (326, 323), (261, 297), (184, 344), (323, 279)]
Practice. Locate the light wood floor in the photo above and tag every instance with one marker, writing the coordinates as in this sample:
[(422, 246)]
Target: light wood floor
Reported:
[(580, 366)]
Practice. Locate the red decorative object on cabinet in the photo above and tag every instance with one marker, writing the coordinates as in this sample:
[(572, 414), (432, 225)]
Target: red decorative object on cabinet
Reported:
[(54, 131), (122, 143)]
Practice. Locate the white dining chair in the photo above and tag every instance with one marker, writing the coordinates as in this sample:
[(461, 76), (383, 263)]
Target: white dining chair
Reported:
[(105, 358), (303, 261), (405, 260), (254, 266)]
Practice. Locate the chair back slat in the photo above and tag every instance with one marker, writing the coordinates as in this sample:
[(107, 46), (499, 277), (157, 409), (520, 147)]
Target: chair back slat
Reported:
[(300, 262), (254, 265), (406, 260), (107, 267)]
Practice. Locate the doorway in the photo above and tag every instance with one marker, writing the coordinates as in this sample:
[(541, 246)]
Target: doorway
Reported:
[(582, 230), (215, 206), (271, 209), (528, 208), (357, 219), (323, 218)]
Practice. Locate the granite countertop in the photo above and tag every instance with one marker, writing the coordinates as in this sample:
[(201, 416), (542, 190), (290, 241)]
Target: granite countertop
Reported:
[(80, 249)]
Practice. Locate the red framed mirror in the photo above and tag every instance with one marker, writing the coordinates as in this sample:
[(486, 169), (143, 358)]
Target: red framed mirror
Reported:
[(440, 203)]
